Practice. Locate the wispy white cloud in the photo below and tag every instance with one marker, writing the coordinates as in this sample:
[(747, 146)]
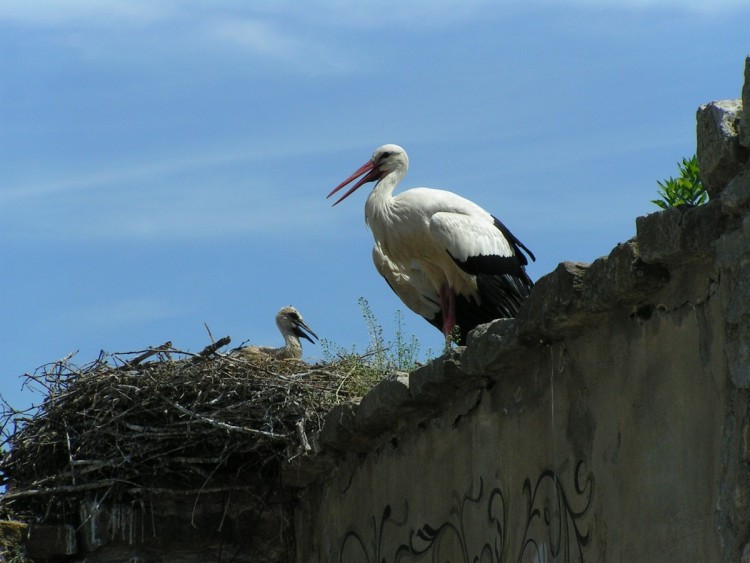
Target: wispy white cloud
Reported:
[(259, 36), (160, 202), (102, 29), (292, 36), (92, 13), (66, 184), (184, 222), (196, 216), (278, 42)]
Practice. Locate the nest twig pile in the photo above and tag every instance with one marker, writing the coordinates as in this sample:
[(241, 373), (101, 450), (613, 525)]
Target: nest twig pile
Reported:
[(122, 426)]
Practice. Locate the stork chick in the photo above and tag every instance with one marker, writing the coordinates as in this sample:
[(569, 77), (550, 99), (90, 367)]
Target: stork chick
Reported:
[(292, 327)]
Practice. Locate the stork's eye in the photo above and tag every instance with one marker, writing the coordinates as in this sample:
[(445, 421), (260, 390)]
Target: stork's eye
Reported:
[(386, 155)]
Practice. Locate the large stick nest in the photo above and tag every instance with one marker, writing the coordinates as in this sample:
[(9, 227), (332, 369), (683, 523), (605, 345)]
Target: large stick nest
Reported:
[(121, 427)]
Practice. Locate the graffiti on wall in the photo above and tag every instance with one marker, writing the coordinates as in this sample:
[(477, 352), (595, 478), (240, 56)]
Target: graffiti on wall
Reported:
[(546, 520)]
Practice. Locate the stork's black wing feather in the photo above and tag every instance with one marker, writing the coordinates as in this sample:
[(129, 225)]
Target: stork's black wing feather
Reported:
[(515, 243), (502, 284)]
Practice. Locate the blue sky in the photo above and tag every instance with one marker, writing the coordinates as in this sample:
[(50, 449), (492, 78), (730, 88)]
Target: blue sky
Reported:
[(165, 164)]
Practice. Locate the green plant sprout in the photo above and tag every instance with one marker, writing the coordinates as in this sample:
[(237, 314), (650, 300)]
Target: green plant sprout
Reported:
[(685, 191)]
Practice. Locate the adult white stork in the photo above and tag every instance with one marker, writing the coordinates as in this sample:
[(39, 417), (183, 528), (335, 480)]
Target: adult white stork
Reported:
[(448, 259), (292, 327)]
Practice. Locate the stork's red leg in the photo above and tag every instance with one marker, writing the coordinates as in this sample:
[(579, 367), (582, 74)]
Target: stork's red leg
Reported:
[(448, 306)]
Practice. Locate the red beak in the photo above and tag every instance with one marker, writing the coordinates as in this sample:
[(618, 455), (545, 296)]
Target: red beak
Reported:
[(371, 174)]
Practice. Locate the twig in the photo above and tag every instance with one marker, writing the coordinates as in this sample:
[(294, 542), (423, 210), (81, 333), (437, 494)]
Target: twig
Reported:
[(61, 489), (208, 330), (223, 425), (150, 352), (70, 454), (302, 436), (190, 492), (211, 348), (351, 371)]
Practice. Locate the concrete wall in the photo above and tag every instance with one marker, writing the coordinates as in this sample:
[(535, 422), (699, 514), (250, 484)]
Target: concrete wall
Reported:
[(609, 422)]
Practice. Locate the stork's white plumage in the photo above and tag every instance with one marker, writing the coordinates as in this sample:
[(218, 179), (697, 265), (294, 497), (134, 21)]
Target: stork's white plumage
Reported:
[(412, 286), (448, 259), (292, 327)]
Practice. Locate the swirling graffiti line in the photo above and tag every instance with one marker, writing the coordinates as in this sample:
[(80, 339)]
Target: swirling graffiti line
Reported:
[(453, 532), (354, 543), (556, 513), (477, 528)]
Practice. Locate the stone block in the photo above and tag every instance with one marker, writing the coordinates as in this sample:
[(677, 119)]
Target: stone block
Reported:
[(745, 118), (48, 541), (555, 308), (659, 235), (339, 429), (720, 155), (384, 406), (438, 382), (491, 346), (426, 378), (735, 198), (731, 248), (621, 278), (680, 235), (394, 401)]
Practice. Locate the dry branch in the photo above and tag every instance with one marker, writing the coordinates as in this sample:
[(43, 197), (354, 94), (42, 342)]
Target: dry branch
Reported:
[(147, 354), (211, 348)]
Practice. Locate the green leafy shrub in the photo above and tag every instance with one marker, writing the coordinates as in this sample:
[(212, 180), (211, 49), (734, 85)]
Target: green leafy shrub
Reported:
[(687, 190)]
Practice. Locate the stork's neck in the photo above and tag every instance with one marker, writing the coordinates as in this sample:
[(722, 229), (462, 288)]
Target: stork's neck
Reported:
[(382, 194), (291, 342)]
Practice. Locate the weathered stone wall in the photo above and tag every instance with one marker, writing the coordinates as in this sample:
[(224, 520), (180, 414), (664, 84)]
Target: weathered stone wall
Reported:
[(609, 422)]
